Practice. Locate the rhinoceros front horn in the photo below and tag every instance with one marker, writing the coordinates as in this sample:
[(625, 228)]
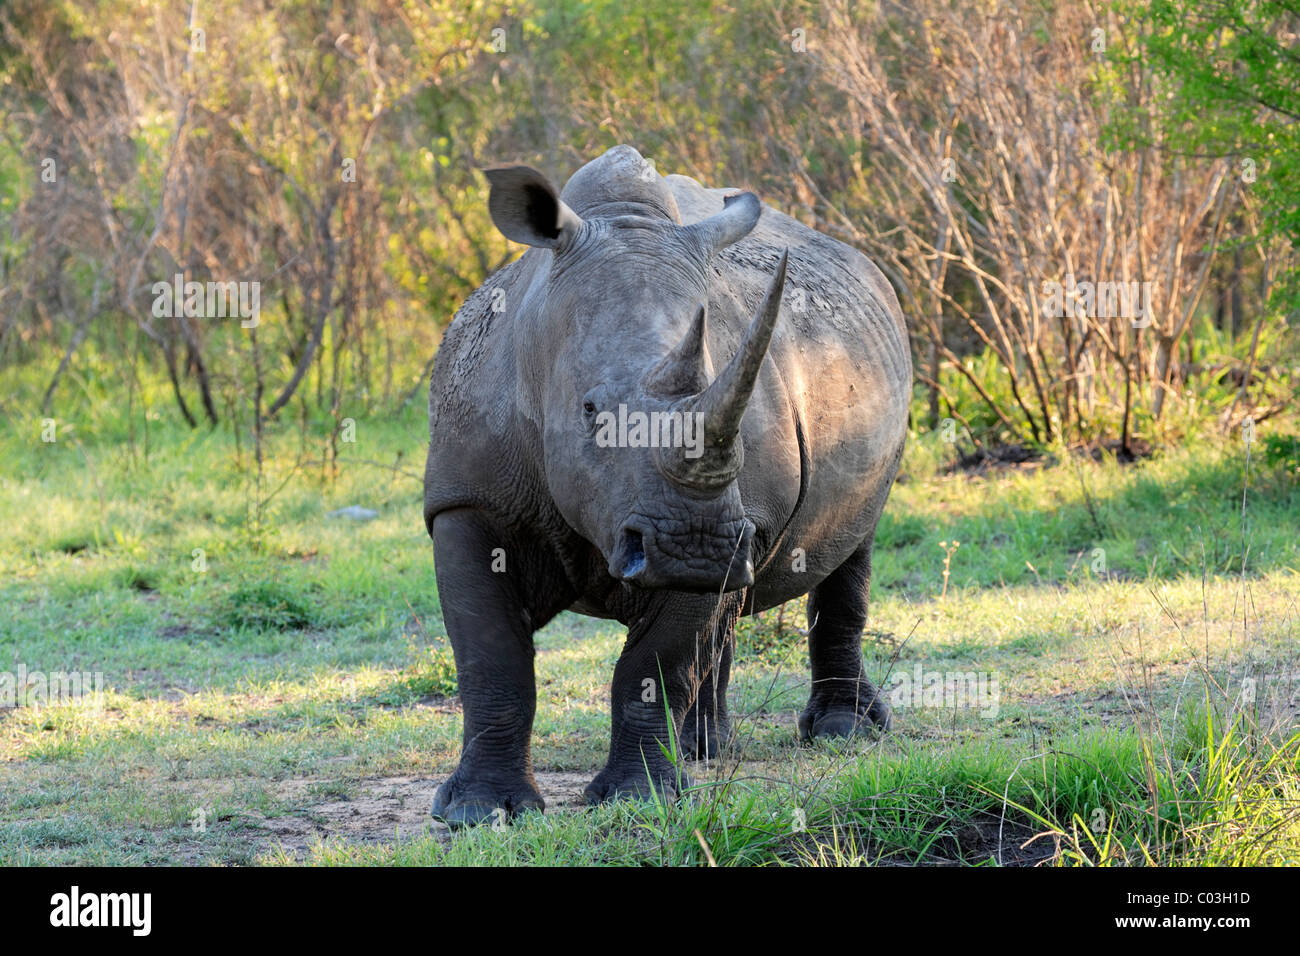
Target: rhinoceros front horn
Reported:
[(723, 403)]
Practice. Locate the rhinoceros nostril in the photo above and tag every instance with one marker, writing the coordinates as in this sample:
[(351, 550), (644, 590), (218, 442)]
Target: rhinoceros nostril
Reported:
[(632, 551)]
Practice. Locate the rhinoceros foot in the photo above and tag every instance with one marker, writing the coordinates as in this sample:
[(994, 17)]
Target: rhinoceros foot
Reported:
[(635, 786), (706, 740), (842, 716), (459, 805)]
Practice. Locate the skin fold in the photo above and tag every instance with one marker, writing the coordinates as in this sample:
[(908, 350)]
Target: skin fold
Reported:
[(660, 296)]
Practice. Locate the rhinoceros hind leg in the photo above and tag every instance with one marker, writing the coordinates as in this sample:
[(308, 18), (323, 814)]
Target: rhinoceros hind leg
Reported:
[(843, 701)]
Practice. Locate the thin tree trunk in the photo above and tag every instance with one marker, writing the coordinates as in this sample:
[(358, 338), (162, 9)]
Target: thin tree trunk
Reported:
[(77, 338), (324, 303)]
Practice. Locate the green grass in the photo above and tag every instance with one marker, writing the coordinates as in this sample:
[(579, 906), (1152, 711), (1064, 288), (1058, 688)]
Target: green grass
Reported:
[(293, 682)]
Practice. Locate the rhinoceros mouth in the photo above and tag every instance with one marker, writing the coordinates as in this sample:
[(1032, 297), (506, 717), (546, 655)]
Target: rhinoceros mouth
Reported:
[(676, 555)]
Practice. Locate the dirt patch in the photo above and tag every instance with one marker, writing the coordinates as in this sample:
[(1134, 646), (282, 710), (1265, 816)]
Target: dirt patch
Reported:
[(983, 839), (1009, 842), (379, 810), (395, 810)]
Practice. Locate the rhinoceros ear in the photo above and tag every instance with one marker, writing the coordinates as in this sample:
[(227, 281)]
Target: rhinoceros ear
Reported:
[(738, 218), (526, 208)]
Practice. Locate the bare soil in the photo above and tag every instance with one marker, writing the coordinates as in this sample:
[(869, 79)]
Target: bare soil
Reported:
[(381, 810)]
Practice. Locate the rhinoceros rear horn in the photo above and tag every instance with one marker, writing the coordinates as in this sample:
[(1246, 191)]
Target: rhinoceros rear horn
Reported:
[(526, 208), (738, 218), (685, 370)]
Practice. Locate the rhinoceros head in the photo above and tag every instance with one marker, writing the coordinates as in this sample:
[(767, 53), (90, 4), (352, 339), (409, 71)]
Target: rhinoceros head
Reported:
[(640, 434)]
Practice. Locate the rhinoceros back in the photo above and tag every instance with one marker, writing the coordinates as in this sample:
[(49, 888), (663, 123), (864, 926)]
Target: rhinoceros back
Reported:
[(832, 290), (474, 436)]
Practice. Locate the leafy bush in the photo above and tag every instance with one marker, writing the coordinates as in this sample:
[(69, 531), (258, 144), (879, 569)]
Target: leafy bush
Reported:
[(433, 672), (1282, 453), (268, 604)]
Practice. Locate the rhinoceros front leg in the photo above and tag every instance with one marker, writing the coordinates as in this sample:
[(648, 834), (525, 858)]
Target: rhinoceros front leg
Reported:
[(666, 672), (843, 701), (481, 575), (706, 728)]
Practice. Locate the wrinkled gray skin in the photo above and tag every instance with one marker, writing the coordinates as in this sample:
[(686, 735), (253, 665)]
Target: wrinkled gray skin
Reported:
[(803, 434)]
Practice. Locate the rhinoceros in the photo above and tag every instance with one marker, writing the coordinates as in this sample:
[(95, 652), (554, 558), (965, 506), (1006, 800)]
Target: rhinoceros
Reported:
[(677, 407)]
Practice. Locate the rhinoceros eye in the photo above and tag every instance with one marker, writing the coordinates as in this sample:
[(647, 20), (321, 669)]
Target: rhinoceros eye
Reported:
[(592, 402)]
